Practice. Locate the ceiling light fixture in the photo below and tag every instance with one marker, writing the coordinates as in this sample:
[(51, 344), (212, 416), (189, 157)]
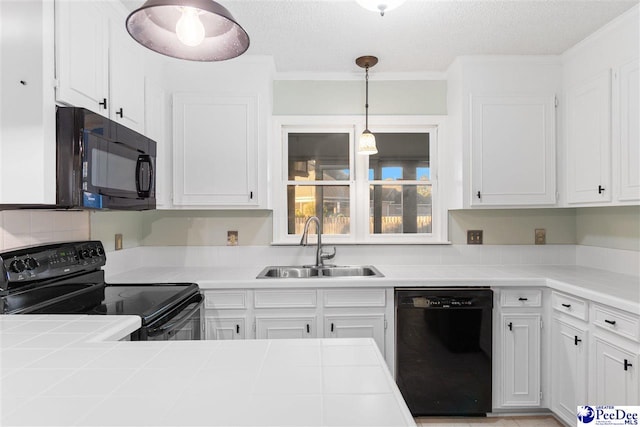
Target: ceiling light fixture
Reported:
[(367, 143), (197, 30), (381, 6)]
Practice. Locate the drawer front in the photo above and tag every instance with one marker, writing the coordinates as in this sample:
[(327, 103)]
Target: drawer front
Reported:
[(225, 300), (569, 305), (616, 321), (355, 298), (285, 298), (521, 298)]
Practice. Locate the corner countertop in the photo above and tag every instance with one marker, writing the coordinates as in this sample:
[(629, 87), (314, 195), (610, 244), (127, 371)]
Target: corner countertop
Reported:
[(619, 290), (70, 370)]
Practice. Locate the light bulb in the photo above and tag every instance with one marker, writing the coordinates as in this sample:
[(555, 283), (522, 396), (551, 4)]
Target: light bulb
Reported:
[(189, 28)]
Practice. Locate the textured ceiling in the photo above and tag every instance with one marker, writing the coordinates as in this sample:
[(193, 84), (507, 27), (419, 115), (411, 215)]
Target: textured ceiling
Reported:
[(421, 36)]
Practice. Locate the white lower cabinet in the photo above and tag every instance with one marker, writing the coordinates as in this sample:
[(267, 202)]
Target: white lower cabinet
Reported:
[(285, 327), (517, 355), (521, 359), (356, 326), (291, 313), (569, 368), (615, 374), (225, 328)]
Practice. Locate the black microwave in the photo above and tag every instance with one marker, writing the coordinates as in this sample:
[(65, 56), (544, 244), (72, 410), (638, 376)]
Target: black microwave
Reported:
[(102, 164)]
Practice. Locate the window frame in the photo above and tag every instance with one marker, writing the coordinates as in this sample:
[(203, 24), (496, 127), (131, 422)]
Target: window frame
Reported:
[(359, 176)]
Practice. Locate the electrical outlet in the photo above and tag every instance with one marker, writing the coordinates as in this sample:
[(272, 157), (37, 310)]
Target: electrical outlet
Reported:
[(118, 242), (232, 238), (474, 237), (541, 236)]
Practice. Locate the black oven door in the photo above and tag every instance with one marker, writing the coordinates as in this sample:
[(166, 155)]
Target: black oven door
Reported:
[(117, 174), (183, 323)]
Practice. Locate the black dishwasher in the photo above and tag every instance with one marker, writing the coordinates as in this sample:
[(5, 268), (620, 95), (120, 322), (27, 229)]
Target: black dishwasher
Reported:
[(443, 350)]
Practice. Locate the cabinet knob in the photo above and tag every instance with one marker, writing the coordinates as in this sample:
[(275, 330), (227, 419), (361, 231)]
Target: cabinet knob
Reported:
[(576, 340), (478, 194), (308, 329), (600, 189), (627, 365), (103, 103), (510, 325), (237, 329), (119, 113)]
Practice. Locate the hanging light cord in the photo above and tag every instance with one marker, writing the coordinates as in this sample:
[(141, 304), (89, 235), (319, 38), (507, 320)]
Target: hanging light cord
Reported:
[(366, 102)]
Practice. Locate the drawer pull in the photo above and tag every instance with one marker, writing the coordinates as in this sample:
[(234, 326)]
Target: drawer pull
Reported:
[(523, 299), (566, 305), (510, 325), (576, 340), (332, 327), (611, 322), (627, 365)]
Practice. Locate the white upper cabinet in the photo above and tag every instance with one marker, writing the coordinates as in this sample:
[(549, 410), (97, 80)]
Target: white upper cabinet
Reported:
[(502, 131), (627, 84), (220, 118), (602, 157), (27, 103), (126, 76), (82, 60), (215, 153), (98, 66), (589, 141), (513, 150)]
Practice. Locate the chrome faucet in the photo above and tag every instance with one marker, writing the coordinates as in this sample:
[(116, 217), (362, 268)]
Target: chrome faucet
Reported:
[(320, 256)]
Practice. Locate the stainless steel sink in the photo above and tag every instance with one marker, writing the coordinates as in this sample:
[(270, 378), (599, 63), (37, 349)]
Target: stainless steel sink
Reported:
[(300, 272)]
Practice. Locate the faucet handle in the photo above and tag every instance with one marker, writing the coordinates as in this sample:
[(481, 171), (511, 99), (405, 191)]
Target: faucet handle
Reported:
[(326, 255)]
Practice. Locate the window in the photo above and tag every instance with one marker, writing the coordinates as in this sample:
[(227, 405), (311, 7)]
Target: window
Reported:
[(389, 197)]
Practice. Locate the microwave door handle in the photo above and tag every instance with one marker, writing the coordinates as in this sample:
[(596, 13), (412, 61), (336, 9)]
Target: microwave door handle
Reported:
[(142, 159)]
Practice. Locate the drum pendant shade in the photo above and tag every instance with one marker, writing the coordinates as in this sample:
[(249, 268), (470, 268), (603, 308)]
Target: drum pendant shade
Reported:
[(196, 30)]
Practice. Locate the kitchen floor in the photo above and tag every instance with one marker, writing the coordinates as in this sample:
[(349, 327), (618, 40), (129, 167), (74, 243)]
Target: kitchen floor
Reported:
[(523, 421)]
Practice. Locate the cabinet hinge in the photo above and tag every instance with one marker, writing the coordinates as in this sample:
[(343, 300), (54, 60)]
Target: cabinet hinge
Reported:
[(385, 324), (556, 102)]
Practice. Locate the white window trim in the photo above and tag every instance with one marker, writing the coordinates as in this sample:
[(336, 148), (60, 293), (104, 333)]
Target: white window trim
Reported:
[(354, 125)]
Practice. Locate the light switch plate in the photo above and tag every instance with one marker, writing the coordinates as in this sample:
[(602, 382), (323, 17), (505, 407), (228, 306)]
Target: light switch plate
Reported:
[(541, 236), (474, 237)]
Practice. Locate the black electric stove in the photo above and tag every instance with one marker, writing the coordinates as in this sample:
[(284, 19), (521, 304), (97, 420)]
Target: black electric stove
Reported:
[(67, 278)]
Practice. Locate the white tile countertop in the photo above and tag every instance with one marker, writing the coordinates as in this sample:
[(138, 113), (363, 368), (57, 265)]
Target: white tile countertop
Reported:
[(619, 290), (70, 370)]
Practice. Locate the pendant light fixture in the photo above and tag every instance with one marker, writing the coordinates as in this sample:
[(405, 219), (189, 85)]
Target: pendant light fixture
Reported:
[(196, 30), (381, 6), (367, 142)]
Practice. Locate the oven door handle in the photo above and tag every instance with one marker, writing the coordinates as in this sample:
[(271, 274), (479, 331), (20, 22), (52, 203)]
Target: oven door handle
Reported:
[(183, 319)]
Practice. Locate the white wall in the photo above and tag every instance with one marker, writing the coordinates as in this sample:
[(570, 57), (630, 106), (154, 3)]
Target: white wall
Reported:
[(31, 227)]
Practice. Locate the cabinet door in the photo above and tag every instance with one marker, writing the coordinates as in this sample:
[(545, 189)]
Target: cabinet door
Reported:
[(82, 35), (628, 78), (225, 328), (568, 369), (27, 103), (215, 151), (285, 327), (356, 326), (520, 359), (126, 77), (513, 150), (589, 141), (615, 375)]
